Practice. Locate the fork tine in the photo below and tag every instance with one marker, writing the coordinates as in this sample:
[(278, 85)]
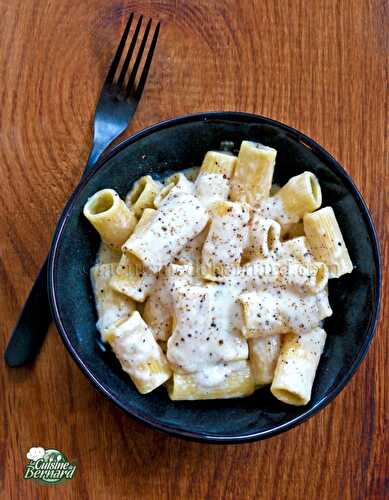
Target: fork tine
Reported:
[(119, 51), (146, 67), (126, 63), (134, 71)]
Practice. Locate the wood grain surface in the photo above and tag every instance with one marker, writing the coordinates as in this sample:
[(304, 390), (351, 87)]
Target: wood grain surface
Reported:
[(317, 65)]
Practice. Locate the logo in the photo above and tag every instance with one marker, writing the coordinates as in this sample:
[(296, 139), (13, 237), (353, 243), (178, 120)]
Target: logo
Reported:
[(48, 466)]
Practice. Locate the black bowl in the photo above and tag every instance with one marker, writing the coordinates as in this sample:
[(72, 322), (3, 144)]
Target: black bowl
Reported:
[(180, 143)]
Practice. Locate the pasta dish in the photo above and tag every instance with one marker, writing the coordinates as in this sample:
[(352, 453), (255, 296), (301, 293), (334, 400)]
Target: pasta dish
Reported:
[(214, 282)]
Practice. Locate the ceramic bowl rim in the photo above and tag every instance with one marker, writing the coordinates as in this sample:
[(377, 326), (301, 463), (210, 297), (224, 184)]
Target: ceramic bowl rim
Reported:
[(143, 417)]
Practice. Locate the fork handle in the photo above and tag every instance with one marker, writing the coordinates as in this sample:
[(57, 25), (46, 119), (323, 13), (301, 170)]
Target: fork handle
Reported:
[(32, 325), (35, 318)]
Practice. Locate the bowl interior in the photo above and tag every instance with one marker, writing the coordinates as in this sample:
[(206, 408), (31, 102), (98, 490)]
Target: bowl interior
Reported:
[(174, 146)]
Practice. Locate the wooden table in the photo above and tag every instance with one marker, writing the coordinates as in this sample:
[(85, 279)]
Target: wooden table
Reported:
[(316, 65)]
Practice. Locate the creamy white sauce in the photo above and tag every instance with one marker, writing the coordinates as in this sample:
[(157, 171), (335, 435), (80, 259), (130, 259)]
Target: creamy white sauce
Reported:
[(173, 185), (226, 239), (191, 173), (111, 306), (213, 375), (158, 311), (217, 375), (273, 208), (212, 187), (191, 253), (158, 308), (276, 311), (107, 255), (180, 218), (205, 322), (204, 333)]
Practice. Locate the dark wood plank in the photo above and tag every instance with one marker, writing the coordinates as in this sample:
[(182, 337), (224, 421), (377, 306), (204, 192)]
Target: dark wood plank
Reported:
[(318, 66)]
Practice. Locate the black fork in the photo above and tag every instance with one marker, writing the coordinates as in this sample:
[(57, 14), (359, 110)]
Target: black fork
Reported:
[(119, 100)]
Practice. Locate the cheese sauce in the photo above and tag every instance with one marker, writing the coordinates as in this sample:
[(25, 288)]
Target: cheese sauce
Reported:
[(273, 208), (180, 218), (219, 275), (211, 188), (205, 333), (227, 238)]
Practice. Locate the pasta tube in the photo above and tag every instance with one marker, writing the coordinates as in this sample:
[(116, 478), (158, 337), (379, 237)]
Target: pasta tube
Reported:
[(297, 248), (263, 358), (226, 239), (191, 253), (158, 308), (264, 237), (228, 380), (110, 305), (270, 313), (261, 315), (213, 181), (110, 216), (285, 274), (158, 311), (326, 241), (253, 174), (297, 365), (142, 194), (300, 195), (180, 218), (139, 353), (131, 277), (316, 274), (174, 184)]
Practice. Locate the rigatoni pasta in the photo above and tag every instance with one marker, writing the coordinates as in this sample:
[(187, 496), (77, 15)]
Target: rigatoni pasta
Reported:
[(221, 287), (297, 365), (111, 217), (267, 313), (179, 218), (131, 277), (300, 195), (142, 194), (158, 312), (263, 237), (253, 174), (139, 354), (111, 306), (226, 239), (213, 181), (191, 253), (326, 241), (229, 380), (264, 354), (175, 184)]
